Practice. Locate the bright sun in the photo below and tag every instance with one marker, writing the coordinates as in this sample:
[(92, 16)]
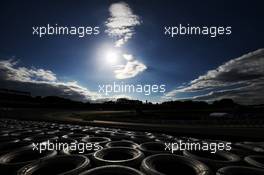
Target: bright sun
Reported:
[(111, 56)]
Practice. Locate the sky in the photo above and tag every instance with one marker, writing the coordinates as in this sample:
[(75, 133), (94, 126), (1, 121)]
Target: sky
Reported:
[(132, 48)]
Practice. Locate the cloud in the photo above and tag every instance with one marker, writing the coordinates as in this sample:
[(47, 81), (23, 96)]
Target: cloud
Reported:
[(41, 82), (121, 23), (24, 74), (240, 79), (132, 68)]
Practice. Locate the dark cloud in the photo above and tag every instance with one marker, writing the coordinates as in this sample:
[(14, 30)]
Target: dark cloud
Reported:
[(240, 79), (41, 82)]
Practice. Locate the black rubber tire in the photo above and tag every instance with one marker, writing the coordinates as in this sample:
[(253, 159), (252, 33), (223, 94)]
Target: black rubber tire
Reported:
[(22, 134), (89, 132), (254, 148), (51, 131), (100, 140), (59, 165), (258, 144), (12, 161), (214, 160), (5, 143), (169, 164), (5, 131), (64, 140), (40, 138), (118, 156), (11, 146), (77, 137), (122, 143), (239, 170), (163, 138), (62, 133), (240, 152), (255, 160), (118, 136), (150, 148), (124, 132), (140, 133), (103, 133), (142, 138), (7, 138), (112, 170), (87, 153)]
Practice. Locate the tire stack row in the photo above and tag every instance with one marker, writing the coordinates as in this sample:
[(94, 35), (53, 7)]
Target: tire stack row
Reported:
[(122, 152)]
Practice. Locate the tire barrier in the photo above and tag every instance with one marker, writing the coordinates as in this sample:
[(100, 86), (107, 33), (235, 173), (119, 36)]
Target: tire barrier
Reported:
[(12, 161), (255, 160), (64, 165), (122, 143), (118, 156), (112, 170), (239, 170), (169, 164), (121, 151), (214, 160), (150, 148)]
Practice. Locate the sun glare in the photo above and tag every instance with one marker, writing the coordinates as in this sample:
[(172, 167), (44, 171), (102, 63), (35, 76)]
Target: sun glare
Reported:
[(111, 56)]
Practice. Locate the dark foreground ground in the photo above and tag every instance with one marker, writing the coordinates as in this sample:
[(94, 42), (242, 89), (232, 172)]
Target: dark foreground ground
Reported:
[(219, 128), (126, 147)]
